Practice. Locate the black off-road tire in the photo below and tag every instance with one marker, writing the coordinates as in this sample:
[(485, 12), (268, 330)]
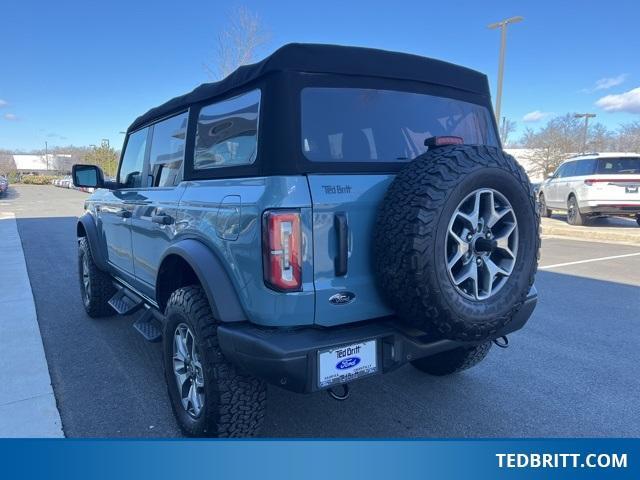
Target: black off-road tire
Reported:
[(574, 216), (452, 361), (542, 204), (638, 220), (410, 241), (234, 403), (101, 284)]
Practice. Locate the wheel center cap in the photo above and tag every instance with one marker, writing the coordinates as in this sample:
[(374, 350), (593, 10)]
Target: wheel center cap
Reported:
[(484, 245)]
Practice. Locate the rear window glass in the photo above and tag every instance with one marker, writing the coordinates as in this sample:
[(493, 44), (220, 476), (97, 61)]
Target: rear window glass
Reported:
[(618, 165), (366, 125)]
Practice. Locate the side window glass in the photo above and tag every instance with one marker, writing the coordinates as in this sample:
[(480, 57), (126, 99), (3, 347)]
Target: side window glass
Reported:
[(167, 150), (569, 169), (130, 174), (227, 132), (560, 172)]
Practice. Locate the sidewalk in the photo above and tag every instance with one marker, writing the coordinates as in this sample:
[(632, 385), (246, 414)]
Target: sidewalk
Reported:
[(606, 230), (27, 404)]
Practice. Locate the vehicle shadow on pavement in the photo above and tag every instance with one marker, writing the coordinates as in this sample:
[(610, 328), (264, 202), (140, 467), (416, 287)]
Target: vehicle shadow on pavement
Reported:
[(603, 222), (567, 373), (10, 194)]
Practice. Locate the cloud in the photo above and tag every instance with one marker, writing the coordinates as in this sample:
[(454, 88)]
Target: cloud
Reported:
[(628, 102), (535, 116), (3, 103), (10, 116), (606, 83)]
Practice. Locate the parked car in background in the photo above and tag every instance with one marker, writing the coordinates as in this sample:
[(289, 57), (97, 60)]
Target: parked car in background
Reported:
[(4, 184), (594, 185)]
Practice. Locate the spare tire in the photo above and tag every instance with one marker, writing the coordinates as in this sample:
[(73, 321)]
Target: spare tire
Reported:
[(457, 240)]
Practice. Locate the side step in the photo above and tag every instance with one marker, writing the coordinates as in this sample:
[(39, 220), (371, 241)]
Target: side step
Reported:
[(148, 326), (125, 302)]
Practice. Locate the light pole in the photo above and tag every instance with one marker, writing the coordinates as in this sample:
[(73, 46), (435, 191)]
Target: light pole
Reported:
[(586, 117), (502, 25)]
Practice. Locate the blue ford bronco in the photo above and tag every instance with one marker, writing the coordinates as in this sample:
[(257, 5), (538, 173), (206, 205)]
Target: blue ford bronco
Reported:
[(321, 216)]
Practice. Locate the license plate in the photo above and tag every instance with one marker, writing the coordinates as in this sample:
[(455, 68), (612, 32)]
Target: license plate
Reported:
[(633, 189), (347, 362)]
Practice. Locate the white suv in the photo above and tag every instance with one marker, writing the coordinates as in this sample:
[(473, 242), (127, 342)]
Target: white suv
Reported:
[(594, 185)]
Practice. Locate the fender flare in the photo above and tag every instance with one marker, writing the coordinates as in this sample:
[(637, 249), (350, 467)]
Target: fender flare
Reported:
[(87, 224), (220, 291)]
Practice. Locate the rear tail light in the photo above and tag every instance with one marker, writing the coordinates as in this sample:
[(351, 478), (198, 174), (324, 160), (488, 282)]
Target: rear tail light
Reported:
[(282, 250)]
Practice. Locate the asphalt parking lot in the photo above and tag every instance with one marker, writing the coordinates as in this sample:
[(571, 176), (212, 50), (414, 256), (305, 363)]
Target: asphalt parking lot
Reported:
[(571, 372)]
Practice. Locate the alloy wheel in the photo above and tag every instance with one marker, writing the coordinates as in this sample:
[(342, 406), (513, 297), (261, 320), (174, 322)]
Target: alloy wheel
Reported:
[(481, 244), (86, 279), (188, 371)]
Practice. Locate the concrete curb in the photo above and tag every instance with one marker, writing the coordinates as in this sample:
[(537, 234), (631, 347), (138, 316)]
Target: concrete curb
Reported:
[(627, 236), (27, 403)]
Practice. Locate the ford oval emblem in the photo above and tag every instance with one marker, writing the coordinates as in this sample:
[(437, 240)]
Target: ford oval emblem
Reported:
[(342, 298), (347, 363)]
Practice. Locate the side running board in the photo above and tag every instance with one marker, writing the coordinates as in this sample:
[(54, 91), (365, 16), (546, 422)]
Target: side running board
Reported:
[(148, 326), (125, 302)]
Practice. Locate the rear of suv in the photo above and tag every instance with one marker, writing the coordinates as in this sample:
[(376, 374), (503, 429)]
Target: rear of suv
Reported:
[(594, 185), (324, 215)]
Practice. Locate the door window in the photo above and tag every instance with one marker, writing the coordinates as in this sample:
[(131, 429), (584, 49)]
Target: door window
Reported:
[(570, 171), (130, 174), (227, 132), (167, 150)]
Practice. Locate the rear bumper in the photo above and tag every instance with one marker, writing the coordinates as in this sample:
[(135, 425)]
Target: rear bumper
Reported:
[(593, 208), (289, 358)]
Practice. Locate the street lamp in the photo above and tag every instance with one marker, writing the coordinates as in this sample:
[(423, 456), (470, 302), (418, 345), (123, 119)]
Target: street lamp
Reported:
[(586, 117), (502, 25)]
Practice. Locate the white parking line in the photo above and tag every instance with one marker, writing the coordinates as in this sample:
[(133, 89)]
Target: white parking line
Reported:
[(590, 260), (27, 404)]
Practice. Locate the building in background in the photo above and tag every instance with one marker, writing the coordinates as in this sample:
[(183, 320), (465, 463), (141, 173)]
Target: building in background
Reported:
[(50, 164)]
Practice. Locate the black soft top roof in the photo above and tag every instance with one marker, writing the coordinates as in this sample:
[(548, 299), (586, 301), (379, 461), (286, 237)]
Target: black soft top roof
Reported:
[(332, 59)]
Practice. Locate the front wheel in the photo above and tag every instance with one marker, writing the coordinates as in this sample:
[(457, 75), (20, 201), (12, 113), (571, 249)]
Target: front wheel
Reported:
[(574, 217), (209, 397), (452, 361), (542, 205), (96, 286)]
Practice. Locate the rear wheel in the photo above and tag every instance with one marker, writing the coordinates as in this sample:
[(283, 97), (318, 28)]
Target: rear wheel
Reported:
[(96, 286), (208, 395), (638, 220), (574, 217), (452, 361), (542, 204)]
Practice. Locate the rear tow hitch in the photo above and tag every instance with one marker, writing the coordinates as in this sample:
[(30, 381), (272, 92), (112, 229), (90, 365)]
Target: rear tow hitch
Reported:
[(502, 342), (339, 397)]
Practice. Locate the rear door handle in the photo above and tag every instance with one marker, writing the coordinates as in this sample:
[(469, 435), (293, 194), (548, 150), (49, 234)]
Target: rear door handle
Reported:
[(162, 219), (342, 233)]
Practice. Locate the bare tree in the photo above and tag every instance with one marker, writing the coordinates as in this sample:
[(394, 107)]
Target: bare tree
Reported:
[(237, 43), (507, 127), (562, 137), (628, 137), (553, 143)]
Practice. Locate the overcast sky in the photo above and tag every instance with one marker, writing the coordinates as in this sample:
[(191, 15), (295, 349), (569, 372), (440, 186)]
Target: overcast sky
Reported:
[(74, 72)]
